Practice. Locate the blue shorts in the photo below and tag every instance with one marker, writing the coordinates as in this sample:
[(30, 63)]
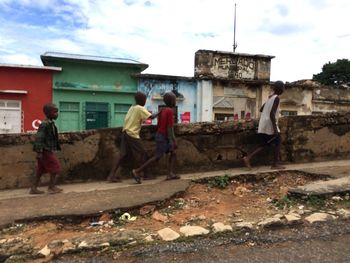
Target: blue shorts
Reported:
[(267, 139), (163, 145)]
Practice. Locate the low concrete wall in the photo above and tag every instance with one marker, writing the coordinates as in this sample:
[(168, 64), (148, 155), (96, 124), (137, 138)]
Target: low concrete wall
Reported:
[(202, 146)]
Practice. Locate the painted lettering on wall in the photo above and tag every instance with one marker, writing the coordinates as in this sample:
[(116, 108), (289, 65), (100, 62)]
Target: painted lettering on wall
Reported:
[(35, 124), (236, 67)]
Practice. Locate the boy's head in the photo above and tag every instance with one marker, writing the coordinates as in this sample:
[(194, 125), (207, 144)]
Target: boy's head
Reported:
[(50, 110), (140, 98), (278, 87), (169, 99)]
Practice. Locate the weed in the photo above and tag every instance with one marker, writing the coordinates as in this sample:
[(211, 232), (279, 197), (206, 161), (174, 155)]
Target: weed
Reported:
[(285, 201), (220, 182), (315, 201)]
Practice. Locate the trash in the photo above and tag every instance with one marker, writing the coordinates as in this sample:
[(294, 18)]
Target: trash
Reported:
[(127, 217), (99, 223), (147, 209)]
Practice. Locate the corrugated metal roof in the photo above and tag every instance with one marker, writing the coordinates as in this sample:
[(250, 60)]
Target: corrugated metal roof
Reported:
[(29, 67), (164, 77), (223, 102), (45, 57)]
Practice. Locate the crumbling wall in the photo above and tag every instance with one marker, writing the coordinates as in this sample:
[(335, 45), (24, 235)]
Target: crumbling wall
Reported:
[(88, 155)]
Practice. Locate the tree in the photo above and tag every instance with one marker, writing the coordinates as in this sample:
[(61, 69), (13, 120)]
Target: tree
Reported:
[(334, 73)]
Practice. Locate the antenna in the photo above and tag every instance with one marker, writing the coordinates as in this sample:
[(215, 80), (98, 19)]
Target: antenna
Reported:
[(234, 33)]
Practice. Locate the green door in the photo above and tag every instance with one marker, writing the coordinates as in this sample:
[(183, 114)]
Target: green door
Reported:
[(69, 116), (96, 115)]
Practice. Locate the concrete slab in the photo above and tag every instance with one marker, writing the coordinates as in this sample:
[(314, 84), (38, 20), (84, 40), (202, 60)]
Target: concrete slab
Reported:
[(94, 197), (336, 186), (22, 208)]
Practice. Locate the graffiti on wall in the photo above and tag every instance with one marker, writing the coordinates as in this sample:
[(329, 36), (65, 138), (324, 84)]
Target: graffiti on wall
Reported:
[(236, 67)]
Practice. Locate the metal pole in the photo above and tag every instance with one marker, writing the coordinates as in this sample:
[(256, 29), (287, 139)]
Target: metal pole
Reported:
[(234, 33)]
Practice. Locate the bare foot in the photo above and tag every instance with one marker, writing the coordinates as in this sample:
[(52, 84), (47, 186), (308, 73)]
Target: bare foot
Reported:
[(35, 191), (247, 162), (277, 167), (54, 190), (136, 176)]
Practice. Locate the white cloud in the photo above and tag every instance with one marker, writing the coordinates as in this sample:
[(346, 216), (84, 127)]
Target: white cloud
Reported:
[(303, 35)]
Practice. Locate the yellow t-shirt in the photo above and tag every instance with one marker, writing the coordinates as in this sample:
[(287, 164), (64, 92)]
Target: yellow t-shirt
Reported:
[(133, 120)]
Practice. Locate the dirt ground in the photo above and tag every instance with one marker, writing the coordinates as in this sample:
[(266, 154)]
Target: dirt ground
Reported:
[(248, 199)]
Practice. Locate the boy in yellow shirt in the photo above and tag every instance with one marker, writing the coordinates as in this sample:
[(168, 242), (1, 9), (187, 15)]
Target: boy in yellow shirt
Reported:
[(130, 138)]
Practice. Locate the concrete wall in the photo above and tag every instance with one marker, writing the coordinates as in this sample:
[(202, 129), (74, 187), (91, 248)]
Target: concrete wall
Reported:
[(229, 65), (202, 146)]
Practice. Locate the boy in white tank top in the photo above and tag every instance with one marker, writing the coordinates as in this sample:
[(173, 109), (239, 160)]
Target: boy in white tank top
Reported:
[(268, 131)]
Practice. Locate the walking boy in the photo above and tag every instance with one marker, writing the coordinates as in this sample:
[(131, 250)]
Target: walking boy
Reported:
[(130, 138), (268, 131), (45, 145), (165, 139)]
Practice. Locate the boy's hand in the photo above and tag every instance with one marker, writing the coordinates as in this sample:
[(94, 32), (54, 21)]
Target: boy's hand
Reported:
[(39, 156)]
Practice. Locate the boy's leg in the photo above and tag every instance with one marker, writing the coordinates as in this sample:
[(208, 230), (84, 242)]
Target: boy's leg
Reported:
[(53, 189), (276, 162), (113, 177), (137, 172), (247, 158), (35, 183), (171, 165)]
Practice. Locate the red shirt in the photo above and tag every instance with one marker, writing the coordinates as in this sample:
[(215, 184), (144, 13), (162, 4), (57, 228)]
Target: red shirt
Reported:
[(165, 121)]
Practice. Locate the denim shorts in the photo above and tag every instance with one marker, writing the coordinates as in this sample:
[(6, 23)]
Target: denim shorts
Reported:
[(163, 145)]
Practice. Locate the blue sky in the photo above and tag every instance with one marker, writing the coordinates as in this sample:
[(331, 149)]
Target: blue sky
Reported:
[(302, 34)]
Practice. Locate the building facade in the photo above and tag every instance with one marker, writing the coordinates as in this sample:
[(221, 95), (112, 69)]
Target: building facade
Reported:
[(184, 88), (23, 92), (92, 92), (239, 82)]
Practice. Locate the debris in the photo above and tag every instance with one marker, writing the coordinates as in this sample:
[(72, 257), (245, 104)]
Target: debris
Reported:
[(247, 225), (45, 251), (220, 227), (319, 217), (159, 217), (337, 198), (343, 213), (193, 230), (99, 223), (105, 218), (270, 222), (127, 217), (147, 209), (240, 190), (167, 234)]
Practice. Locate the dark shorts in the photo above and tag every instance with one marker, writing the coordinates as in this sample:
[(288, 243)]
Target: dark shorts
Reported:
[(163, 145), (48, 164), (267, 139), (130, 147)]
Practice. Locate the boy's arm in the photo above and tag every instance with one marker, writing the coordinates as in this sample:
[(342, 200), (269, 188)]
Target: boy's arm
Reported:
[(273, 114), (40, 139), (154, 115)]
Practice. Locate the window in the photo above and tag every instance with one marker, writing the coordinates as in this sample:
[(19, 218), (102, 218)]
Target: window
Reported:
[(289, 113), (223, 117), (242, 114), (69, 106)]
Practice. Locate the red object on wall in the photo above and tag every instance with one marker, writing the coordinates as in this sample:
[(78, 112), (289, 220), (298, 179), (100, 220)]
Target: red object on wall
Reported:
[(29, 85), (186, 117), (148, 121)]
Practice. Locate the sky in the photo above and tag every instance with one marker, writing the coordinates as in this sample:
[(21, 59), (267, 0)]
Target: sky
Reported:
[(303, 35)]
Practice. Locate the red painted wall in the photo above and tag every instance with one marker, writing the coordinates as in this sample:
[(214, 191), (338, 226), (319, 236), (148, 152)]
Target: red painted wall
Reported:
[(37, 83)]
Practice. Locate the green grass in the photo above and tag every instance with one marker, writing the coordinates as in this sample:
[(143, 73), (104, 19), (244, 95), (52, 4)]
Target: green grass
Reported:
[(220, 182)]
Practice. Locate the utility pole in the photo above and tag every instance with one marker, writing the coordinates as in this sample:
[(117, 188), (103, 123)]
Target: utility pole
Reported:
[(234, 33)]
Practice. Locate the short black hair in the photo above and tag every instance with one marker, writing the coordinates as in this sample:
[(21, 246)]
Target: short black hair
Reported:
[(278, 86), (140, 98), (169, 99), (48, 107)]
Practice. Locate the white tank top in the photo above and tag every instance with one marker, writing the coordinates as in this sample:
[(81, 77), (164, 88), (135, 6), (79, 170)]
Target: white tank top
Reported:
[(265, 123)]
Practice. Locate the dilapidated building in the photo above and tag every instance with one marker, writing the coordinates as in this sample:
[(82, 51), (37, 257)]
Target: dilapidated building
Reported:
[(239, 82)]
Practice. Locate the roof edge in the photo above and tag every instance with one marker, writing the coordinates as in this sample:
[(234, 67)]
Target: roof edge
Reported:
[(4, 65)]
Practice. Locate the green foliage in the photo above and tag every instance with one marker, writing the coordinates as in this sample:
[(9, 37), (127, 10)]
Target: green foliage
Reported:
[(334, 73), (220, 182), (285, 201), (316, 201)]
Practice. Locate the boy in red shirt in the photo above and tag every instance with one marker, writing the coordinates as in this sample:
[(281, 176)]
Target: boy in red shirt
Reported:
[(165, 139)]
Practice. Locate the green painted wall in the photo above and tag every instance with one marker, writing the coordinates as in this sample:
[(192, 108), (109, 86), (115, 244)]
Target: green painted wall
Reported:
[(91, 94)]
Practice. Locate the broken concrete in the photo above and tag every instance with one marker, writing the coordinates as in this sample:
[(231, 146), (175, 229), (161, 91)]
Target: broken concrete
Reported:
[(336, 186)]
